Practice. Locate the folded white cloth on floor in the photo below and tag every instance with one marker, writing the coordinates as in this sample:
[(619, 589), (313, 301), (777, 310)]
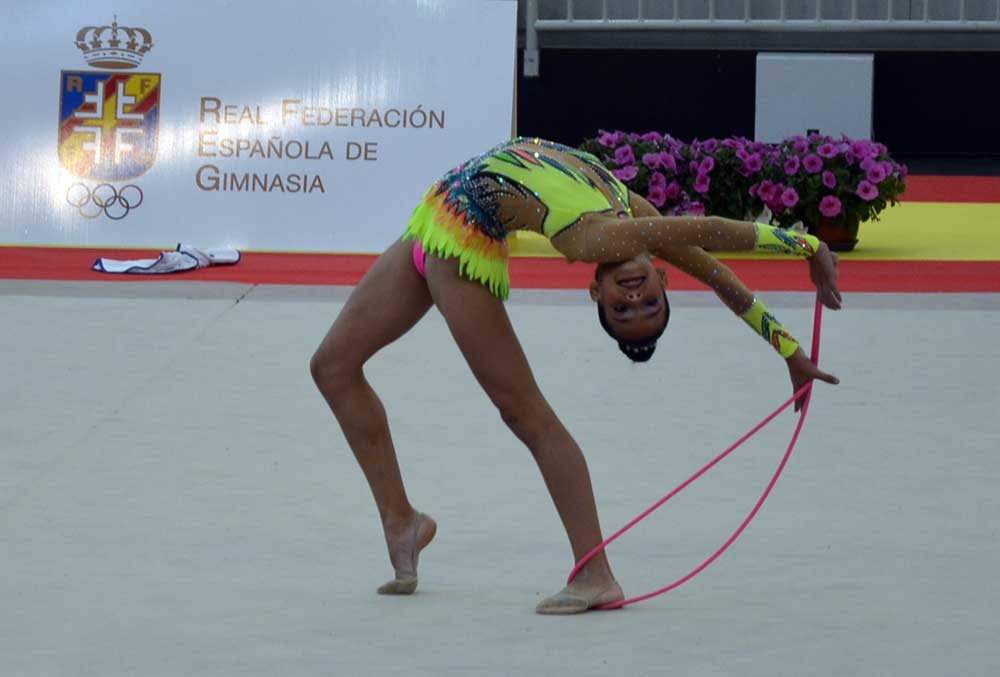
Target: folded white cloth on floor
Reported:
[(185, 257)]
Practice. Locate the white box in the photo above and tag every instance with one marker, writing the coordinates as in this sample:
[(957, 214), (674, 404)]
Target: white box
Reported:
[(798, 92)]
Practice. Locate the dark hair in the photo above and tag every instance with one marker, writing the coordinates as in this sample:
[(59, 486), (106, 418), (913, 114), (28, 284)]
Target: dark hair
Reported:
[(637, 351)]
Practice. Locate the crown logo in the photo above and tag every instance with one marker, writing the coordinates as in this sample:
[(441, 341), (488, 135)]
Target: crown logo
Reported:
[(103, 48)]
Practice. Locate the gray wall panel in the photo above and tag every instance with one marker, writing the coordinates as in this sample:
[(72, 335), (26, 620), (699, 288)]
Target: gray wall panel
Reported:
[(828, 92)]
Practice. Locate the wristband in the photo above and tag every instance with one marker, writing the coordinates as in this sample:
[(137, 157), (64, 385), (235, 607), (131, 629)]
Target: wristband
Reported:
[(765, 324), (782, 241)]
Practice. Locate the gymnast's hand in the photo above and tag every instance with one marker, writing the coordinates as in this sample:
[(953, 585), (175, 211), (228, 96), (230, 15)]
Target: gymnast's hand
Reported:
[(802, 370), (823, 272)]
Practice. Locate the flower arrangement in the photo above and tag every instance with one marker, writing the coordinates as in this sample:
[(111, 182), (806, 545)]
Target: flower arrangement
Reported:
[(811, 179)]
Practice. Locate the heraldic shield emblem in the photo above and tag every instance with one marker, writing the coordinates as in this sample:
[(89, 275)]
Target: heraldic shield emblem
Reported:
[(108, 123)]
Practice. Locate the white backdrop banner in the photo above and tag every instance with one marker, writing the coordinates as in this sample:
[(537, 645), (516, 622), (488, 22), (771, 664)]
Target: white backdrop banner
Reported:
[(300, 126)]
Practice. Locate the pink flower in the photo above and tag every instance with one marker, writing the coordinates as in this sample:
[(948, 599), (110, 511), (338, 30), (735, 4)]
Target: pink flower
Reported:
[(693, 167), (867, 191), (904, 171), (610, 139), (876, 174), (850, 157), (657, 195), (792, 165), (766, 190), (711, 145), (742, 154), (626, 173), (800, 145), (868, 163), (673, 190), (707, 165), (813, 163), (696, 209), (651, 137), (774, 198), (651, 160), (753, 163), (789, 197), (829, 180), (657, 179), (862, 149), (753, 190), (829, 206), (702, 183), (735, 144), (668, 161), (828, 150), (624, 156)]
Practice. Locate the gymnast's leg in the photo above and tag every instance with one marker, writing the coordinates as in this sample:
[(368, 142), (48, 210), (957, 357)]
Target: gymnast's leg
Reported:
[(388, 301), (480, 325)]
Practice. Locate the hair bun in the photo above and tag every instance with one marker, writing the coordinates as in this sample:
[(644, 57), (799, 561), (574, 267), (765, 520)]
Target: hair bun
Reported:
[(640, 352)]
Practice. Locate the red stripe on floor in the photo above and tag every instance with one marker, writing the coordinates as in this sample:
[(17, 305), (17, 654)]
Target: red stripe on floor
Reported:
[(44, 263), (792, 275), (928, 188), (57, 263)]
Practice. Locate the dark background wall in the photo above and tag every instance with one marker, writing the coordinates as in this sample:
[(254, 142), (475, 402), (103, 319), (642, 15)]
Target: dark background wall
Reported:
[(938, 104), (686, 93), (939, 107)]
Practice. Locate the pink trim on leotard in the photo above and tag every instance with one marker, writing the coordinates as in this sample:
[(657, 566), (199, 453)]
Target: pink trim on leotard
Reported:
[(419, 259)]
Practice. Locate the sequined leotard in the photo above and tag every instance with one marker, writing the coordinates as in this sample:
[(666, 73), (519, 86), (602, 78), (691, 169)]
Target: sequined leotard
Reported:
[(520, 184)]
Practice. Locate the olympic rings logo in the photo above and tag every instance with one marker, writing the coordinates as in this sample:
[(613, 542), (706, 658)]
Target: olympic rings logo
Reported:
[(105, 198)]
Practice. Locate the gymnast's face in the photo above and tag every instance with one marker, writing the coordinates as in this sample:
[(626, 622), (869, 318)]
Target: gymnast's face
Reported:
[(631, 295)]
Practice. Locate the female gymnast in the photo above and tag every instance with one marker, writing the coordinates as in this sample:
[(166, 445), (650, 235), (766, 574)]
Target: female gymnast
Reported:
[(453, 255)]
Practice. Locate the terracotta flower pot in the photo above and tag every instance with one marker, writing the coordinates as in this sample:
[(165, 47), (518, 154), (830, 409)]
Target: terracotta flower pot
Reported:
[(840, 233)]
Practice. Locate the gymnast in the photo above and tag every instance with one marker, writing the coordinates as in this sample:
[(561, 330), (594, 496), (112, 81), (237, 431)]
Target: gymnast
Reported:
[(453, 255)]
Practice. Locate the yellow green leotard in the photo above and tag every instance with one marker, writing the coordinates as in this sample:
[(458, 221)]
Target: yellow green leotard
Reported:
[(522, 183)]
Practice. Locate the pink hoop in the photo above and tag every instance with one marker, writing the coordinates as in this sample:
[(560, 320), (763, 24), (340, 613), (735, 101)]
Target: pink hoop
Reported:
[(804, 390)]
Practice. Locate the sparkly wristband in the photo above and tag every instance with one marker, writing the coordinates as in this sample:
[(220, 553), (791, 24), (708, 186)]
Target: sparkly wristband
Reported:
[(782, 241), (765, 324)]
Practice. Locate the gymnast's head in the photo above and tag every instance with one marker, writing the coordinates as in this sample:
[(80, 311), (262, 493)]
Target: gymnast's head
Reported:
[(632, 304)]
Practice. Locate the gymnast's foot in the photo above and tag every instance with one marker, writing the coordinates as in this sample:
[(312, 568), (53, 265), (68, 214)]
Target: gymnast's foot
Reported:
[(582, 594), (405, 541)]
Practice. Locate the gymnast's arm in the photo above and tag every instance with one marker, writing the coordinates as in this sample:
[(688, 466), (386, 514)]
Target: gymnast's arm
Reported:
[(601, 238), (682, 240), (730, 289)]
